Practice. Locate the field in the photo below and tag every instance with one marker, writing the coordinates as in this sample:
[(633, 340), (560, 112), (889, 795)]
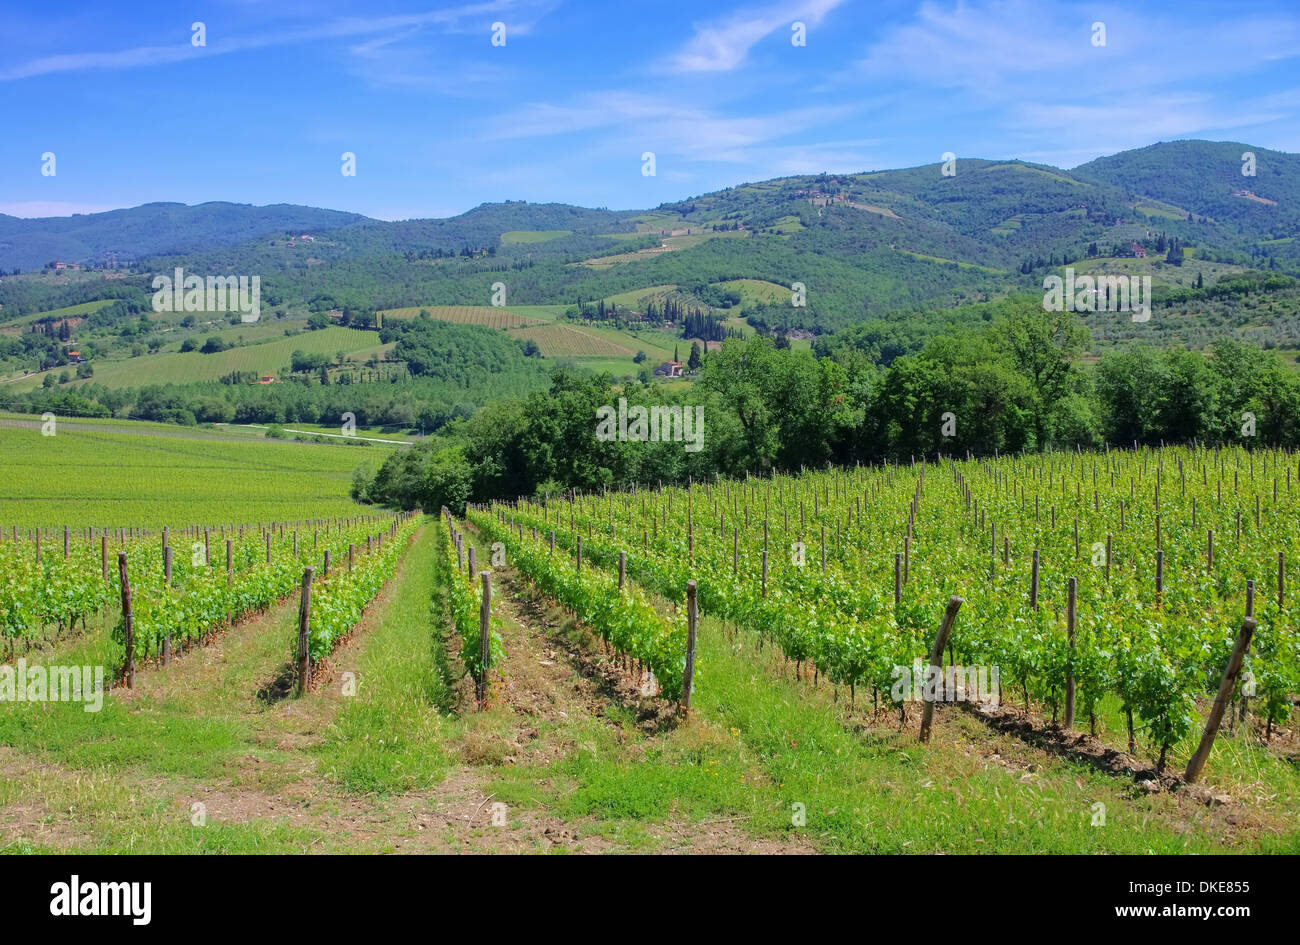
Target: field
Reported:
[(125, 473), (793, 742), (571, 341), (71, 311), (465, 315), (1161, 273), (516, 237), (270, 357), (954, 262)]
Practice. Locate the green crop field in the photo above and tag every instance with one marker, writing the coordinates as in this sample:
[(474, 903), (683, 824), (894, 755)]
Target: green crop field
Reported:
[(464, 315), (570, 341), (754, 291), (514, 237), (146, 474)]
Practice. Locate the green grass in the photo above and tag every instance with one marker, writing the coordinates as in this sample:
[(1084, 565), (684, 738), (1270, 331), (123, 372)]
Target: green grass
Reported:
[(488, 316), (756, 291), (539, 313), (573, 341), (959, 264), (390, 737), (270, 357), (156, 474), (514, 237), (1161, 273)]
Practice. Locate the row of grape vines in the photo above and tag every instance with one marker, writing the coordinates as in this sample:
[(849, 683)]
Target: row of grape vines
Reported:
[(455, 571), (177, 597), (623, 617), (339, 598), (850, 569)]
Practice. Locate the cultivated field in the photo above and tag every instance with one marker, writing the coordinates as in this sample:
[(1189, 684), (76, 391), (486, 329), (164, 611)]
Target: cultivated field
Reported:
[(119, 472), (794, 740), (465, 315), (571, 341), (270, 357)]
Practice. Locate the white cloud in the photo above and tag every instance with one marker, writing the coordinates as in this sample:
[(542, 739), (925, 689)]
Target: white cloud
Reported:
[(723, 45), (1013, 49), (453, 19), (636, 122)]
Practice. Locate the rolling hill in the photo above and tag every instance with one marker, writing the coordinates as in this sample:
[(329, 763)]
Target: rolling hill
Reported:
[(152, 229), (863, 244)]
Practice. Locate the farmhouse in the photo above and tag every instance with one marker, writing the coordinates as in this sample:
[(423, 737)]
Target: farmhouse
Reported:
[(267, 379), (1139, 252), (669, 369)]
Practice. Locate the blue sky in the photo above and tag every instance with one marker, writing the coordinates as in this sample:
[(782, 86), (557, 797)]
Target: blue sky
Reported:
[(441, 120)]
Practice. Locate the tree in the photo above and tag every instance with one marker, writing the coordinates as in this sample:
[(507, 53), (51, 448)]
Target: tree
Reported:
[(1042, 346), (693, 362)]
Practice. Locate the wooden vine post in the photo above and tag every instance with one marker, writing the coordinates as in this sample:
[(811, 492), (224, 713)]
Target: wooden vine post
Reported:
[(128, 623), (688, 674), (936, 661), (167, 574), (304, 624), (484, 639), (1071, 622), (1226, 686)]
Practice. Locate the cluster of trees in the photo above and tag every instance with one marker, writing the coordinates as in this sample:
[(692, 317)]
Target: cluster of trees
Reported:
[(1014, 384), (454, 370), (458, 354)]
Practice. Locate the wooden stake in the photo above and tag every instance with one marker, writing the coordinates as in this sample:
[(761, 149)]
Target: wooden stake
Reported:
[(936, 661), (1071, 620), (128, 623), (1226, 686), (485, 638), (688, 675), (1033, 582), (304, 624)]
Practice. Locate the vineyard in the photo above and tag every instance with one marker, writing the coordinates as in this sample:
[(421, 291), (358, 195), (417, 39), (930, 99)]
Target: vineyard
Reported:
[(681, 667), (489, 317), (115, 472), (1108, 590), (567, 341), (172, 602)]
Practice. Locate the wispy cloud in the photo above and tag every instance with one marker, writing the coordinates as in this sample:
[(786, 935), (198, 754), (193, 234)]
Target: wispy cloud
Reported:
[(453, 19), (994, 49), (722, 45), (644, 122)]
